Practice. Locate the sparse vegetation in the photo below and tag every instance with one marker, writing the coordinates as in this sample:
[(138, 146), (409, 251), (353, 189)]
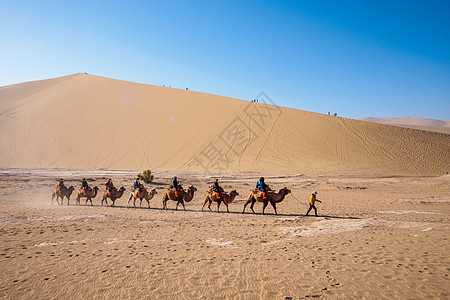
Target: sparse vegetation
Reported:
[(146, 176)]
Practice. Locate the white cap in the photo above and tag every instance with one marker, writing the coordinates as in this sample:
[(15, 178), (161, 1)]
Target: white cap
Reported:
[(315, 193)]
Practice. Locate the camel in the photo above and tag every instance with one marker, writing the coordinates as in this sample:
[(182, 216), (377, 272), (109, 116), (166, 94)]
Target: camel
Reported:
[(271, 197), (113, 194), (61, 193), (183, 196), (226, 199), (143, 195), (89, 193)]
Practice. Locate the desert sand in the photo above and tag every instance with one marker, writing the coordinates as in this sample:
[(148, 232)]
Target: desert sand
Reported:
[(414, 123), (382, 230), (375, 238)]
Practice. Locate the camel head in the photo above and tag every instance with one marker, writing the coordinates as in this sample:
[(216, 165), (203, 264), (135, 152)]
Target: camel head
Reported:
[(122, 189), (234, 192), (285, 191), (71, 189), (192, 188), (153, 192), (95, 188)]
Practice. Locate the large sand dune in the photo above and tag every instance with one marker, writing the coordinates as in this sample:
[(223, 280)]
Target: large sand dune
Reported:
[(89, 122)]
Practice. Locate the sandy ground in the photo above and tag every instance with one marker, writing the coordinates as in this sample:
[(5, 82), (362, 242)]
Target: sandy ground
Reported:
[(375, 238)]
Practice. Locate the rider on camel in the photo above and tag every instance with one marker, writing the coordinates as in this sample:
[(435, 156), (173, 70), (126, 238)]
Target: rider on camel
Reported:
[(138, 186), (262, 186), (217, 188), (60, 185), (84, 185), (109, 186), (176, 185)]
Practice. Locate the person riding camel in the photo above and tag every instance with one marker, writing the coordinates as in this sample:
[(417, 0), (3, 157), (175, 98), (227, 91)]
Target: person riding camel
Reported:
[(84, 185), (138, 186), (176, 186), (60, 185), (217, 188), (262, 186), (109, 186)]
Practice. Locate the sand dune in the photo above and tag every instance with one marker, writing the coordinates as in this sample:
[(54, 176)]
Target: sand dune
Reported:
[(90, 122), (414, 123)]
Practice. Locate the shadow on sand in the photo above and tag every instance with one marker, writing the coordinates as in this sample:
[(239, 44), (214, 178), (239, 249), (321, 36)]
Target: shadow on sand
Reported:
[(180, 208)]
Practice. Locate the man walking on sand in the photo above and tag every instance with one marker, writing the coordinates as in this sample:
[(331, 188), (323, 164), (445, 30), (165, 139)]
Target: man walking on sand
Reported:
[(312, 201)]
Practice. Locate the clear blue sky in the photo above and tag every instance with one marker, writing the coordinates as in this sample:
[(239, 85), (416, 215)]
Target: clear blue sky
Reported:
[(356, 58)]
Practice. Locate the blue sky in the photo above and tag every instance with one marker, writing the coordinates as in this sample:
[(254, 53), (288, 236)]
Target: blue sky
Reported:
[(356, 58)]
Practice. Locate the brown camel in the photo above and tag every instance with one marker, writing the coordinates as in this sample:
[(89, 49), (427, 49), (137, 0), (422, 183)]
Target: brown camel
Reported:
[(226, 199), (271, 197), (89, 193), (61, 193), (144, 194), (113, 194), (182, 196)]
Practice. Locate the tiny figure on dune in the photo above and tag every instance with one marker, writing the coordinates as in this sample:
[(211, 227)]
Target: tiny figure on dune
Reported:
[(262, 186), (312, 201)]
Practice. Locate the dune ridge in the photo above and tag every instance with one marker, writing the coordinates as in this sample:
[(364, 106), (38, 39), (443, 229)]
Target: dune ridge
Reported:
[(90, 122), (414, 123)]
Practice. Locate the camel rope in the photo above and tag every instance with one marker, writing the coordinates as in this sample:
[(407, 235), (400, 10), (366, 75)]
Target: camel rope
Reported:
[(298, 200)]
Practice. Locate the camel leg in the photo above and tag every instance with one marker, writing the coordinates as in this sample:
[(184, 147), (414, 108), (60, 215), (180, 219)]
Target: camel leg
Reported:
[(129, 199), (209, 204), (274, 205), (148, 202), (227, 207), (265, 205), (218, 205), (253, 204), (204, 202), (247, 202), (53, 196)]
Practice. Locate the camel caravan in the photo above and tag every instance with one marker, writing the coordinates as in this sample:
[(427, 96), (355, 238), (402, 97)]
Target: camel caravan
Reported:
[(175, 192)]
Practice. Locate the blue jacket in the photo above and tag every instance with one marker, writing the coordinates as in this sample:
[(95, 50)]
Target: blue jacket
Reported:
[(261, 185)]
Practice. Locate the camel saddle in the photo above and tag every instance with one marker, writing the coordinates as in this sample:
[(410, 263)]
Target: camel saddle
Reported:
[(258, 193), (211, 192)]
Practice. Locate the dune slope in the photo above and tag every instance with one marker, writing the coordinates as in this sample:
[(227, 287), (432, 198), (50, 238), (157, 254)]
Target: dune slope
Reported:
[(89, 122), (415, 123)]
